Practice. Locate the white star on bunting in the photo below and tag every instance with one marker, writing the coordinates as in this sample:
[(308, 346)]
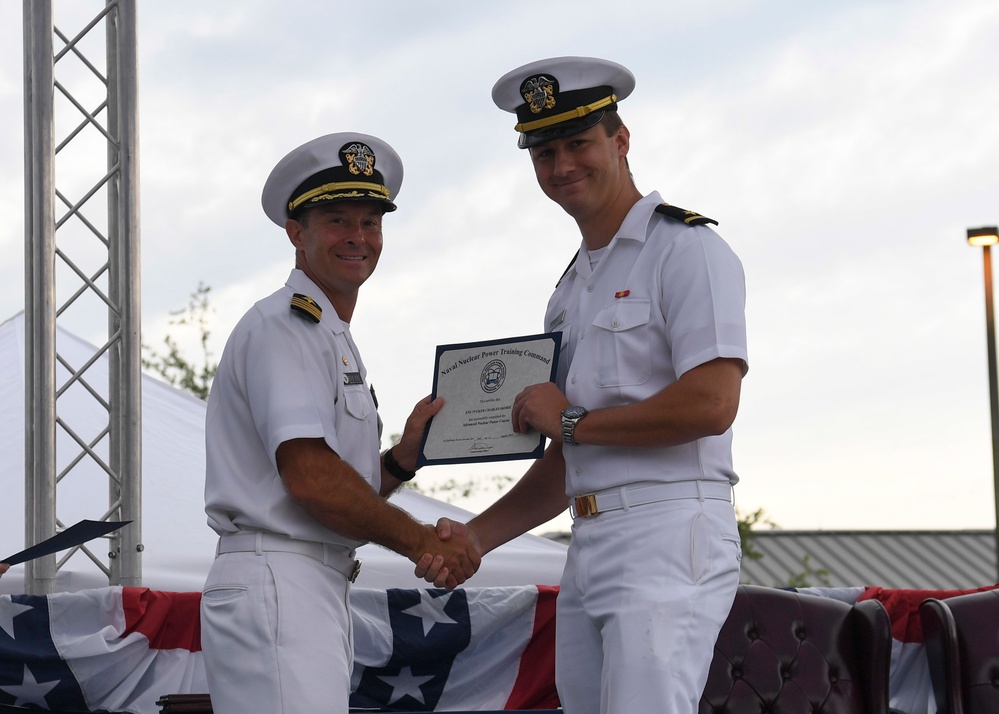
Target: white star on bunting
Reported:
[(405, 683), (8, 611), (430, 610), (29, 691)]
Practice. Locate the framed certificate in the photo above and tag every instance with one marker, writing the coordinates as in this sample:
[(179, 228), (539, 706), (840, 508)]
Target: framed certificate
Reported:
[(479, 381)]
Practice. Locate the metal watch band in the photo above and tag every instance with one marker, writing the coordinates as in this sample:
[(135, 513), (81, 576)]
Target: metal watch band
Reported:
[(571, 417)]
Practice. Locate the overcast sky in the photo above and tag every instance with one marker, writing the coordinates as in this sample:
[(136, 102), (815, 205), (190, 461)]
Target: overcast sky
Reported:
[(843, 147)]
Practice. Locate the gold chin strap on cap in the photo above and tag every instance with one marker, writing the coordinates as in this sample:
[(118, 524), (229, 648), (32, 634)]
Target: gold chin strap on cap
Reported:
[(566, 116), (339, 186)]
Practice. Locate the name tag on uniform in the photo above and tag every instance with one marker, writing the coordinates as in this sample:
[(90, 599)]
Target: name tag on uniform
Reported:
[(350, 378), (559, 319)]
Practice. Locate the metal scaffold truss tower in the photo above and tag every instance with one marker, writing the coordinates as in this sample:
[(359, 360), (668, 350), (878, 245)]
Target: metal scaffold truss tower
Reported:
[(82, 271)]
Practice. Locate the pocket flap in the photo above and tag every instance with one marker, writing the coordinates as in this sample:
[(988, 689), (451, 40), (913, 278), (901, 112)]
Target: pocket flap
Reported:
[(624, 315)]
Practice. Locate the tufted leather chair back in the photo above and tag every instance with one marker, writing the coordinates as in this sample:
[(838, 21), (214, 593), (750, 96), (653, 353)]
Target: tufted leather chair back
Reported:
[(961, 635), (785, 652)]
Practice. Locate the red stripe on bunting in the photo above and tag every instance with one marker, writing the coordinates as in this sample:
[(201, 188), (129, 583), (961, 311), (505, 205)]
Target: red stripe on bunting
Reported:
[(903, 608), (535, 685), (169, 620)]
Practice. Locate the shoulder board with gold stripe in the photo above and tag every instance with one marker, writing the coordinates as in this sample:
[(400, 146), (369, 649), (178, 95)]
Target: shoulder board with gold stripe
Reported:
[(680, 214), (306, 307)]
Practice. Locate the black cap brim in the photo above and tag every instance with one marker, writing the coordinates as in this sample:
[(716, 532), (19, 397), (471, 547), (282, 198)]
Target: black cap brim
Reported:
[(560, 131)]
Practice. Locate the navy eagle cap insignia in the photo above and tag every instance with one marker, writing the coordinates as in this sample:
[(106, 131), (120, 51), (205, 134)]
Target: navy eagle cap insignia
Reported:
[(359, 159), (539, 93)]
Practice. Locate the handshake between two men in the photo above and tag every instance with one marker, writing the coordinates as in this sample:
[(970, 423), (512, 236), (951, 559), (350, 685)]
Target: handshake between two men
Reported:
[(537, 497), (457, 555)]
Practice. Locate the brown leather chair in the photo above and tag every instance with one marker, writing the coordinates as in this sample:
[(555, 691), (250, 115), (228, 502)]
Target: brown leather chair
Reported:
[(961, 635), (781, 651)]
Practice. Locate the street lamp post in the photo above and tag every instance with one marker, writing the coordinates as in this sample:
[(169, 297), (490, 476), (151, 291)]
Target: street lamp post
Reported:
[(986, 237)]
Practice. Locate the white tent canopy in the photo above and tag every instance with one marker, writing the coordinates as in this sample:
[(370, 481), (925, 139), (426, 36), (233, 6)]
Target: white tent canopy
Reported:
[(178, 544)]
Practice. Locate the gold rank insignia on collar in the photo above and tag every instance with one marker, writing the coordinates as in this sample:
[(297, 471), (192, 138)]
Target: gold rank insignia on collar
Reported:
[(681, 214), (306, 307)]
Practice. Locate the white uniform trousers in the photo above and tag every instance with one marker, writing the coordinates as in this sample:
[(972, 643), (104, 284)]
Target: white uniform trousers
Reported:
[(644, 594), (276, 634)]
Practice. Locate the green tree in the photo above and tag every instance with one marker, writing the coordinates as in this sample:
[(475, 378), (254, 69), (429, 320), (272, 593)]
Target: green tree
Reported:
[(456, 489), (803, 578), (746, 523), (194, 377)]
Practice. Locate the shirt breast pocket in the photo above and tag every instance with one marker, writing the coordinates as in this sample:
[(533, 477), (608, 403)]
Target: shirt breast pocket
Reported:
[(357, 400), (623, 354)]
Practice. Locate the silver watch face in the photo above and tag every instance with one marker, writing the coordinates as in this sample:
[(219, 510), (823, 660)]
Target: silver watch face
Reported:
[(574, 413)]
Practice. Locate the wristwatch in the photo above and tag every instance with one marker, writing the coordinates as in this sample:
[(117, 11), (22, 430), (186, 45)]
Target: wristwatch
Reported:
[(571, 417)]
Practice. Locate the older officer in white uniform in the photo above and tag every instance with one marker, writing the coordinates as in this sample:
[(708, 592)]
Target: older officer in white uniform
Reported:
[(651, 313), (295, 481)]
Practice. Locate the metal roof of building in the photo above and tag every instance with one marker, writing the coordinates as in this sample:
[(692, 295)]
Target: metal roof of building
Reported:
[(918, 560), (910, 560)]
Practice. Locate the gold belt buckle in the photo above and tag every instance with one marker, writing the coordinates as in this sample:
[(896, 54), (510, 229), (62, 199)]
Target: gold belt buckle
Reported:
[(586, 505)]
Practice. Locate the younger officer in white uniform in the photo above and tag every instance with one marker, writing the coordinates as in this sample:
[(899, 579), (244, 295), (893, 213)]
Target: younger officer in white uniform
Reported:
[(294, 478), (651, 313)]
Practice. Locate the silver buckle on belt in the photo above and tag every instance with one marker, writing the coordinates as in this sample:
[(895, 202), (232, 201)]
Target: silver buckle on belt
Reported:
[(586, 505)]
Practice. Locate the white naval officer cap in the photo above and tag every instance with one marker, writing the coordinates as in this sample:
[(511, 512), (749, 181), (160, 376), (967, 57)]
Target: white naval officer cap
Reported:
[(561, 96), (347, 166)]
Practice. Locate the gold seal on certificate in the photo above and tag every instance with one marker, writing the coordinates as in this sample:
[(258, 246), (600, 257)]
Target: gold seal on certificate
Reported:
[(479, 381)]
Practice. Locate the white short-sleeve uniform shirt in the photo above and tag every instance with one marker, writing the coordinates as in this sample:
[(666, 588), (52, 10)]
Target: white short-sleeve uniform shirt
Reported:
[(663, 298), (283, 376)]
